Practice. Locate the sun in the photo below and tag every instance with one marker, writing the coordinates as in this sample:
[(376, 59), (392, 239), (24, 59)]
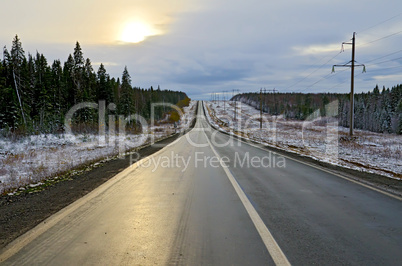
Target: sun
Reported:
[(135, 32)]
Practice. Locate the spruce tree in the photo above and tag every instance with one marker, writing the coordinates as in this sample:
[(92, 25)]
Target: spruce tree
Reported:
[(125, 101), (68, 71), (77, 73), (399, 108), (104, 91), (58, 92), (17, 59)]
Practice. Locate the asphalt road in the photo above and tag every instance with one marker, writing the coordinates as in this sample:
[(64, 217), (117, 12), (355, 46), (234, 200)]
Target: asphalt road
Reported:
[(210, 199)]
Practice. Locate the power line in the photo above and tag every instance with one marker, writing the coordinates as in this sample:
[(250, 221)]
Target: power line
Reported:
[(386, 61), (384, 56), (329, 75), (323, 78), (379, 23), (375, 40), (332, 58), (343, 82), (382, 38), (390, 68), (315, 70), (393, 53)]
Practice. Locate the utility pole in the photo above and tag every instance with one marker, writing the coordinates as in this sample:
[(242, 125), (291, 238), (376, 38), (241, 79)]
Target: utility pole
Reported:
[(276, 109), (352, 66), (261, 108), (352, 84), (235, 106), (224, 100), (263, 92), (273, 91), (235, 112)]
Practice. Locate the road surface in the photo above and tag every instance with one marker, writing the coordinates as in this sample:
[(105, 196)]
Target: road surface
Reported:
[(210, 199)]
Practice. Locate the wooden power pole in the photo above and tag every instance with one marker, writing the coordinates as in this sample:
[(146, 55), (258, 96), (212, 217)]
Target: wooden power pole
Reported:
[(352, 82), (261, 108)]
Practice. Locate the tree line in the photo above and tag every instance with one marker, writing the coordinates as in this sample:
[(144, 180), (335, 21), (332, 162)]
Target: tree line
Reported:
[(35, 95), (377, 111)]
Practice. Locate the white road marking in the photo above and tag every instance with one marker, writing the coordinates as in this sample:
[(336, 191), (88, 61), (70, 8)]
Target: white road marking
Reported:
[(325, 170), (317, 167), (272, 246), (22, 241)]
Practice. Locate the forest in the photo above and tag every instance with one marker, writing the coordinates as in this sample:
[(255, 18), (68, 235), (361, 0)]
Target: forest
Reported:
[(376, 111), (36, 95)]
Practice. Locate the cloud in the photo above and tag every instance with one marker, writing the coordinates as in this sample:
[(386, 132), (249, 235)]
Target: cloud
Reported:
[(216, 45), (318, 49), (395, 77), (104, 63), (92, 22), (210, 76)]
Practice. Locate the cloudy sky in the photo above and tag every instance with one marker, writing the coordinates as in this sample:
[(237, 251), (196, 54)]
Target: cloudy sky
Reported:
[(204, 46)]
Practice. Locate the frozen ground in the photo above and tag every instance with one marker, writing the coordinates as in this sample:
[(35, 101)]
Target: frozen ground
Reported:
[(319, 138), (32, 159)]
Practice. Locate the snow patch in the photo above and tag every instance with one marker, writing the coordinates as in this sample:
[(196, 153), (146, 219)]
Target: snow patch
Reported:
[(318, 139), (32, 159)]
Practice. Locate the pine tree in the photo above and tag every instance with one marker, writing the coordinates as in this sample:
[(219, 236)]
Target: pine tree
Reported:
[(399, 108), (78, 56), (17, 54), (57, 77), (71, 97), (125, 101), (8, 98), (17, 58), (43, 92), (104, 91), (376, 91), (77, 73)]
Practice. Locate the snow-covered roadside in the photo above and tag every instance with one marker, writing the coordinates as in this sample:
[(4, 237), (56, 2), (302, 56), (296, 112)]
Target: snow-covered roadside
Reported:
[(188, 115), (34, 158), (368, 151)]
